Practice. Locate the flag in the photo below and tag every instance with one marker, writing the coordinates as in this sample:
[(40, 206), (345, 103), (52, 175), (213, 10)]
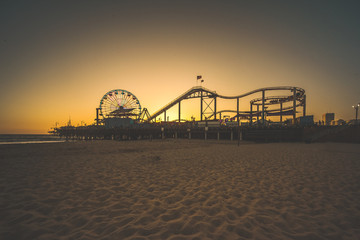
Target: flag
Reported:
[(198, 77)]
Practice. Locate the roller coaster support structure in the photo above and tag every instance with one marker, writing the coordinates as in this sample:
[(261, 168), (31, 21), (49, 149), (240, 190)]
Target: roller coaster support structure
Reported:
[(207, 112), (294, 105), (263, 107), (237, 111), (281, 107), (251, 113)]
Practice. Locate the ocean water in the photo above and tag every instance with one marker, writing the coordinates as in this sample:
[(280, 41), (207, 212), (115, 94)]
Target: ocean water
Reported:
[(28, 138)]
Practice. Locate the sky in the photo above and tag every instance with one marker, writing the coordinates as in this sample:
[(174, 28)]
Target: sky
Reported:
[(58, 58)]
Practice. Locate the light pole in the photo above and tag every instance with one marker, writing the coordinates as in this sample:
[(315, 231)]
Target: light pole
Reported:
[(356, 112)]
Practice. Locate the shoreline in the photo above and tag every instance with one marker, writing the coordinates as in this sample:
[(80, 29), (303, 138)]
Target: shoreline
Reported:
[(30, 142)]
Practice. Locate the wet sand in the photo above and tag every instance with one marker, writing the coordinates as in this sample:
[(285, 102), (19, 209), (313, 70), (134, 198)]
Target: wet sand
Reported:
[(179, 189)]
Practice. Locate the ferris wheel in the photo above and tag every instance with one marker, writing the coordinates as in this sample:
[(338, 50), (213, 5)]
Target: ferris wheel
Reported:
[(120, 103)]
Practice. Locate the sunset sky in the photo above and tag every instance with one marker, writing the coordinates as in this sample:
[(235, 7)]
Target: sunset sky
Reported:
[(58, 58)]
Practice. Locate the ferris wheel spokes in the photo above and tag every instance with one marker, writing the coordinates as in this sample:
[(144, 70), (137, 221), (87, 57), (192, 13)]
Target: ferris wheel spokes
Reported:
[(120, 103)]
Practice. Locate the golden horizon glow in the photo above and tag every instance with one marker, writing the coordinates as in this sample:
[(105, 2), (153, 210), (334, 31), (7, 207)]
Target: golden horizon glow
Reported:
[(157, 53)]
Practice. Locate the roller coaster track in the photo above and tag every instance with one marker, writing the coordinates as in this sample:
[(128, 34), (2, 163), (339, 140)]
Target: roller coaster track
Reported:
[(201, 92)]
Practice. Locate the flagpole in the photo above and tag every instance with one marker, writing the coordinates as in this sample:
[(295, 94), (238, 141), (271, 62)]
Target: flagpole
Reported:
[(198, 77)]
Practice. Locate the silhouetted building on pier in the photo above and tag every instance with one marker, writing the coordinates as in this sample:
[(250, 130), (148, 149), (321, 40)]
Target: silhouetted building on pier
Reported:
[(327, 118)]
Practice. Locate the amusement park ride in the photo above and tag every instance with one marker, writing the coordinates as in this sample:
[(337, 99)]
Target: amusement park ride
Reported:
[(119, 103), (122, 108)]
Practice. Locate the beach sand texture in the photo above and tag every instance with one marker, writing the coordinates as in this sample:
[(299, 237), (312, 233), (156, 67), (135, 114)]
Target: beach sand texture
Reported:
[(179, 189)]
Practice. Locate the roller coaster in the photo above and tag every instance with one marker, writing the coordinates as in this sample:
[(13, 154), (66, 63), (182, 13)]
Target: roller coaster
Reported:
[(208, 104), (116, 103)]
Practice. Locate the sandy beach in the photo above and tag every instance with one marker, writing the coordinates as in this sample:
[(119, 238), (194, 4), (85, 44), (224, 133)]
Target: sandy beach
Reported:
[(179, 189)]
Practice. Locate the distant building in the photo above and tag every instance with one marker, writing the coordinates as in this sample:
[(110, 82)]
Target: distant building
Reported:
[(305, 120), (327, 118)]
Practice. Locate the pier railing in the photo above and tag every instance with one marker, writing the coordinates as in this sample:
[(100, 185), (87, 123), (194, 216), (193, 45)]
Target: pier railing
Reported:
[(254, 134)]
